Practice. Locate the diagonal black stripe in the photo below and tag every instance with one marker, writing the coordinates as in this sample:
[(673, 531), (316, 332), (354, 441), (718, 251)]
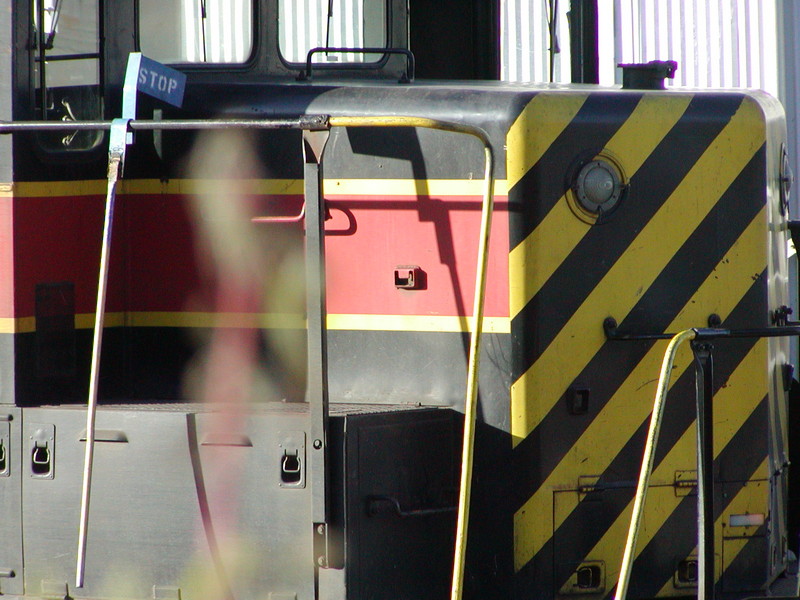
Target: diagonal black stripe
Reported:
[(594, 124), (535, 327), (749, 570), (624, 470), (536, 579), (541, 451), (742, 455), (678, 535), (625, 466)]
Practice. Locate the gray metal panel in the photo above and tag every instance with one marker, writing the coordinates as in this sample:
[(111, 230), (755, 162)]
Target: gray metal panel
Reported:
[(10, 499), (6, 90), (7, 387), (364, 374), (190, 501), (7, 358)]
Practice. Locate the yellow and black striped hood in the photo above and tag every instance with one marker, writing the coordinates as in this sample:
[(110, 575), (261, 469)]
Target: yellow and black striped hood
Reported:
[(690, 238)]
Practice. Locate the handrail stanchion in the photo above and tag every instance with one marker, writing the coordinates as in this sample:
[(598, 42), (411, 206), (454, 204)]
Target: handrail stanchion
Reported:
[(115, 157), (647, 460), (471, 400), (704, 381), (118, 140)]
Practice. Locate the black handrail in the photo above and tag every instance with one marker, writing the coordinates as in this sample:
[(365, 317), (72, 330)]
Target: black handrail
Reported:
[(407, 77), (791, 328)]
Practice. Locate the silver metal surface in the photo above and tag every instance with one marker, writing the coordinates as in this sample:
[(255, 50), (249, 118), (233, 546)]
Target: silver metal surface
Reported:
[(129, 89), (10, 503), (305, 122), (167, 510), (317, 378)]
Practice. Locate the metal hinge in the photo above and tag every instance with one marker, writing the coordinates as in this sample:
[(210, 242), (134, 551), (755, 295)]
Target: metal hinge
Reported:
[(685, 483)]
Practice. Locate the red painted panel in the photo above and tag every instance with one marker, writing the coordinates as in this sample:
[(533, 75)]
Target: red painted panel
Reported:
[(154, 266), (58, 239), (369, 237), (162, 266)]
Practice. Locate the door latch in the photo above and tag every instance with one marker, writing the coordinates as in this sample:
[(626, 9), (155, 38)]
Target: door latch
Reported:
[(42, 451)]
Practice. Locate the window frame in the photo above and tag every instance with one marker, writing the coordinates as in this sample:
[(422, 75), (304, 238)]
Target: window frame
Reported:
[(39, 92), (339, 67), (246, 65)]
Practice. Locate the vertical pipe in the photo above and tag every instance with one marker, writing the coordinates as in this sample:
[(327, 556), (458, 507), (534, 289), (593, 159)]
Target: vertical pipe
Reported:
[(643, 53), (97, 341), (761, 70), (618, 55), (42, 63), (682, 29), (735, 58), (583, 26), (657, 8), (670, 30), (704, 385), (317, 342), (317, 377), (118, 141), (471, 401), (709, 67)]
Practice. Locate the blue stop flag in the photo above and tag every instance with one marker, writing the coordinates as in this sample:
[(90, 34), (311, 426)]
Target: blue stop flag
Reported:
[(161, 82)]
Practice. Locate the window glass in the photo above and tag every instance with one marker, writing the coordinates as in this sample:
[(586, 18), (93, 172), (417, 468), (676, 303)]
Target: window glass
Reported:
[(196, 31), (307, 24), (67, 68)]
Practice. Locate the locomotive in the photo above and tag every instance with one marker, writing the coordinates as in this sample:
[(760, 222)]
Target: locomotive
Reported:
[(388, 317)]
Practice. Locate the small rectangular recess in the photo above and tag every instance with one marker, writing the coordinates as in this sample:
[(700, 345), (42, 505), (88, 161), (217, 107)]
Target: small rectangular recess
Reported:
[(106, 435), (55, 329), (166, 592), (226, 438)]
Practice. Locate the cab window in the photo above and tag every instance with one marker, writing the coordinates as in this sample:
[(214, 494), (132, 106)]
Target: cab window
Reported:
[(67, 68), (307, 24), (196, 31)]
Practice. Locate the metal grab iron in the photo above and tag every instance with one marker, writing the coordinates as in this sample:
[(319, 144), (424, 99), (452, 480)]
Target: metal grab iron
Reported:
[(313, 124)]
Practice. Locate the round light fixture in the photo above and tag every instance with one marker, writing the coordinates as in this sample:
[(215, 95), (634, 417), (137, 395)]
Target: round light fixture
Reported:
[(597, 189)]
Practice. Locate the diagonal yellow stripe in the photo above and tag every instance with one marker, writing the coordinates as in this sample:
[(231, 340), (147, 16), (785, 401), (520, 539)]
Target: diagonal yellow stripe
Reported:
[(535, 130), (535, 393), (632, 402), (535, 259), (743, 401)]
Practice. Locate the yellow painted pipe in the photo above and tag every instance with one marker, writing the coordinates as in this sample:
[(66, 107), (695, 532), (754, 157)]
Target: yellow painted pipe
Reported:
[(471, 400), (647, 460)]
